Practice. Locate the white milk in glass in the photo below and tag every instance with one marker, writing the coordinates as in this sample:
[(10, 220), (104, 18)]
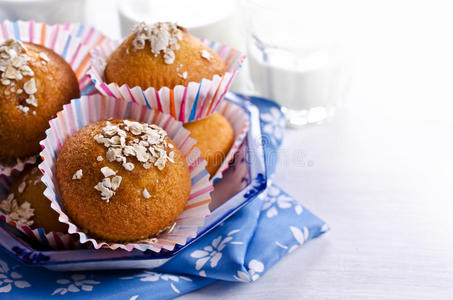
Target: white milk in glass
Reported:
[(295, 57), (308, 83)]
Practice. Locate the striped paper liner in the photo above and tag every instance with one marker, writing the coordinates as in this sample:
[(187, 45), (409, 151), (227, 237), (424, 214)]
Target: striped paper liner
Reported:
[(184, 103), (239, 120), (72, 41), (91, 108), (19, 166), (55, 240)]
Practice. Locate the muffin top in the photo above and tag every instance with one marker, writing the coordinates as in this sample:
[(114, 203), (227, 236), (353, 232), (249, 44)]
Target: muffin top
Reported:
[(214, 136), (27, 205), (162, 54), (122, 180), (35, 82)]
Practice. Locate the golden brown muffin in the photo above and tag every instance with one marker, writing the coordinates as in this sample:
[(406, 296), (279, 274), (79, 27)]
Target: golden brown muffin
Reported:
[(147, 59), (28, 188), (116, 190), (35, 83), (214, 136)]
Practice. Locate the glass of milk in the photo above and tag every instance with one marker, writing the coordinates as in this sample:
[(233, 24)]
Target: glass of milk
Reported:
[(295, 61)]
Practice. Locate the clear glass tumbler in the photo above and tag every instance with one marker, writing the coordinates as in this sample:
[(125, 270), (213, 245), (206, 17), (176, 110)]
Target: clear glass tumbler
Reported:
[(298, 66)]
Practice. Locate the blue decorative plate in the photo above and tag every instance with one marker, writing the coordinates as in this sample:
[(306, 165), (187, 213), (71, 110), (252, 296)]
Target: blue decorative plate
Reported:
[(243, 181)]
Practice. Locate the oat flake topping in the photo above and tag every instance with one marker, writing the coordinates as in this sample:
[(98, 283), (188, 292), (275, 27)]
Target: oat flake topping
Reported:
[(183, 75), (21, 187), (77, 175), (206, 55), (21, 214), (107, 172), (108, 185), (146, 194), (14, 67), (162, 36), (147, 144)]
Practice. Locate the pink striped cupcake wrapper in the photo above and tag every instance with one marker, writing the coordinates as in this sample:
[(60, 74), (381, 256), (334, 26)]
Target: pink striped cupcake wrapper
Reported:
[(184, 103), (91, 108), (20, 164), (55, 240), (239, 120), (73, 42)]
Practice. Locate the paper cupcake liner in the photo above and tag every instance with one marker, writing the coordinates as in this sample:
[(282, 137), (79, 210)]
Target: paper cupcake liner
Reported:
[(239, 120), (18, 166), (55, 240), (72, 41), (88, 109), (184, 103)]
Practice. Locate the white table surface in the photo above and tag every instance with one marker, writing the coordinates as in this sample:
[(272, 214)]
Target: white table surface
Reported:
[(383, 191), (381, 172)]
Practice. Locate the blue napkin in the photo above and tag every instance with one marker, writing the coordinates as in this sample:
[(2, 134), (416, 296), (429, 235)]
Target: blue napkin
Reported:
[(241, 249)]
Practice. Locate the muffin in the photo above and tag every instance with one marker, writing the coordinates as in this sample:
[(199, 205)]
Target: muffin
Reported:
[(214, 136), (122, 180), (35, 83), (27, 205), (162, 54)]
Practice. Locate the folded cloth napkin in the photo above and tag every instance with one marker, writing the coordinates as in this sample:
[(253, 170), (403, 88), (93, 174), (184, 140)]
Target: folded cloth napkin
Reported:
[(241, 249)]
